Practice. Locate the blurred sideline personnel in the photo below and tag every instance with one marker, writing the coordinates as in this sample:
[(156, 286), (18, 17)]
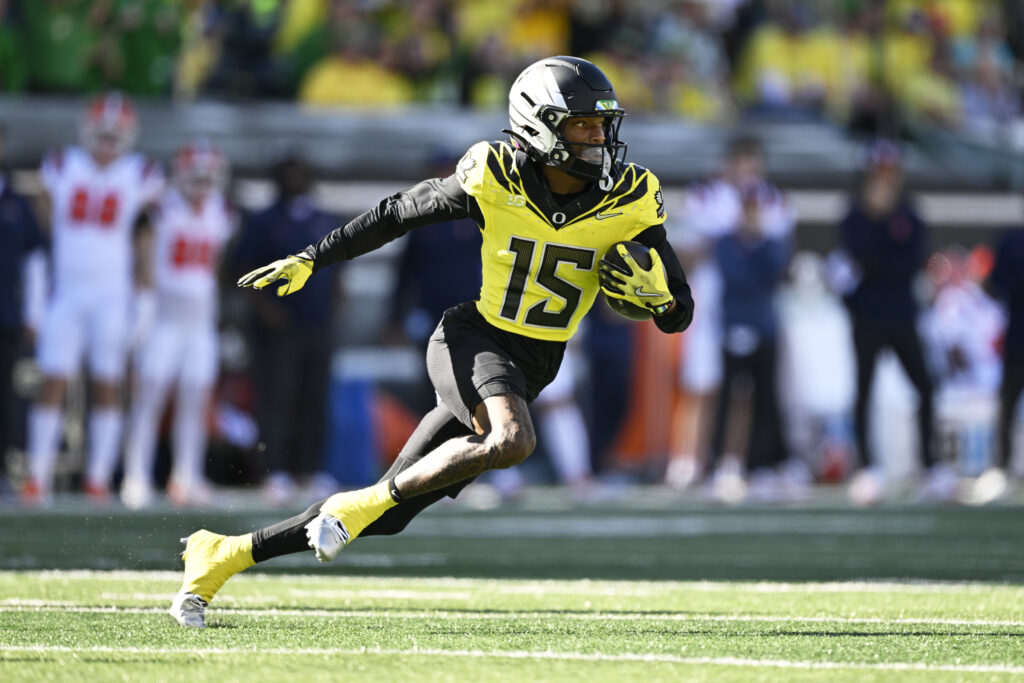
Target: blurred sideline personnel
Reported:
[(291, 338), (711, 210), (886, 241), (191, 224), (20, 236), (751, 263), (94, 194), (550, 202), (1006, 281)]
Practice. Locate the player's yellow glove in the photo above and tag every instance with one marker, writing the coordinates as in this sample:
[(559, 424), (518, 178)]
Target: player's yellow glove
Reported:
[(295, 270), (647, 288)]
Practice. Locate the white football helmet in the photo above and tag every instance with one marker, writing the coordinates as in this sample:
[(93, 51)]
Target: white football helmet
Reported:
[(548, 93), (199, 168), (109, 126)]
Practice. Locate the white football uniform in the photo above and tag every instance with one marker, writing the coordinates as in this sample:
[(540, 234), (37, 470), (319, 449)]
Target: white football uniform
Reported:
[(187, 244), (93, 214), (181, 346)]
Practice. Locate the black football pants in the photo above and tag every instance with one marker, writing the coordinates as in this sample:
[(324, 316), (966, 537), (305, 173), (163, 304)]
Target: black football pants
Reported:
[(765, 446), (869, 338), (8, 354), (1009, 394), (291, 383)]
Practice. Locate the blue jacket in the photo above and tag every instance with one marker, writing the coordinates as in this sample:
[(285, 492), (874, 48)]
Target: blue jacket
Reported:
[(19, 234), (889, 252), (1007, 282), (281, 230), (423, 294), (751, 269)]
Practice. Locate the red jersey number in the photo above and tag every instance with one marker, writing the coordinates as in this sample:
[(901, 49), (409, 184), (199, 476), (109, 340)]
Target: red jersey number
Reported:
[(101, 211), (196, 253)]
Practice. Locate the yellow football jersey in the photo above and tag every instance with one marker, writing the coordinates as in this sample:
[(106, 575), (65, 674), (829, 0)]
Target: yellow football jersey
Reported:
[(539, 258)]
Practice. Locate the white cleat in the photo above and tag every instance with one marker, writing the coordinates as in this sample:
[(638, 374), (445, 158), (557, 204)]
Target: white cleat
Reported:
[(991, 486), (327, 536), (867, 487), (727, 484), (189, 610), (136, 494)]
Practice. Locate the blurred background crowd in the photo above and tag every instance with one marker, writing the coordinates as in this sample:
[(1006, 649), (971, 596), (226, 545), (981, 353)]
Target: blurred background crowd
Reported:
[(947, 61), (849, 328)]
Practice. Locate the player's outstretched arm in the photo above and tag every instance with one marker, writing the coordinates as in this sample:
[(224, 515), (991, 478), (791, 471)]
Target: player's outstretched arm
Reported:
[(430, 201), (293, 271)]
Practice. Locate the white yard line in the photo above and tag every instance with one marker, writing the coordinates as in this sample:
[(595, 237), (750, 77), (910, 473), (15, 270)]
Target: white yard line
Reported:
[(523, 654), (15, 605), (543, 586)]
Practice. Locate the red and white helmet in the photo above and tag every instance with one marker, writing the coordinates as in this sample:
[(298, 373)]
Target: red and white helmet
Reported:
[(199, 168), (110, 126)]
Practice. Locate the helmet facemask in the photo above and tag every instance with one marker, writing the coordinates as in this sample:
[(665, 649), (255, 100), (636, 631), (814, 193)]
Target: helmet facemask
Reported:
[(546, 97), (588, 160)]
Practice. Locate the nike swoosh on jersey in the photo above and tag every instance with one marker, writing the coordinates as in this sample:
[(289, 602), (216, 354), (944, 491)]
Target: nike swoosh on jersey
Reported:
[(639, 291), (601, 216)]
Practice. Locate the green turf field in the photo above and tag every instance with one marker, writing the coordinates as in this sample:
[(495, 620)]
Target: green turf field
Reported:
[(647, 589)]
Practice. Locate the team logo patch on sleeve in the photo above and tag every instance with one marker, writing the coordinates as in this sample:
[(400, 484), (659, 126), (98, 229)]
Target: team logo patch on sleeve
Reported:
[(466, 164), (660, 202)]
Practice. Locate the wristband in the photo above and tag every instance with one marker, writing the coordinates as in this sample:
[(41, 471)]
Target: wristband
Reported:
[(661, 308)]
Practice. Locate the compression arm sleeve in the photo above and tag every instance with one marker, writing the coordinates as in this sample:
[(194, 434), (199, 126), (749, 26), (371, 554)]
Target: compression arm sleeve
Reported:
[(431, 201)]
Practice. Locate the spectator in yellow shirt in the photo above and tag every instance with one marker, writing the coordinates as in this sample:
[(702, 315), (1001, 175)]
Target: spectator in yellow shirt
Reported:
[(355, 74)]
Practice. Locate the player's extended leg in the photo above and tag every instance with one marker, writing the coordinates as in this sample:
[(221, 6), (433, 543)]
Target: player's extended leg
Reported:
[(482, 423), (437, 427), (505, 438), (211, 559)]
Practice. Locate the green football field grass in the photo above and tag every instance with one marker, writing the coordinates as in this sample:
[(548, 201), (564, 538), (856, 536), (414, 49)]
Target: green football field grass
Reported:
[(649, 588)]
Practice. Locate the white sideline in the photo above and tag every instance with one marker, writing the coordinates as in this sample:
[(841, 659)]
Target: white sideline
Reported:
[(17, 605), (523, 654)]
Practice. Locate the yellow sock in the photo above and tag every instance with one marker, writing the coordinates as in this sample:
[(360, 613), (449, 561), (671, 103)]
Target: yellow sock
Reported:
[(212, 559), (358, 509)]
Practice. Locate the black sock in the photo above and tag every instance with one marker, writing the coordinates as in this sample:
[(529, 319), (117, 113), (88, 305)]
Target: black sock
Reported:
[(396, 495), (284, 538)]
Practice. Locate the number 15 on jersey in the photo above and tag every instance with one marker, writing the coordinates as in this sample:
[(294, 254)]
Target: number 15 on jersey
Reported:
[(545, 313)]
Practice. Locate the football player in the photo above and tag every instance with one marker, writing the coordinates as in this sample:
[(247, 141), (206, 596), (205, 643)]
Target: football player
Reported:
[(94, 194), (191, 224), (549, 202)]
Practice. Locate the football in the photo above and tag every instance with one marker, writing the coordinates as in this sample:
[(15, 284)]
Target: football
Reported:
[(640, 254)]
